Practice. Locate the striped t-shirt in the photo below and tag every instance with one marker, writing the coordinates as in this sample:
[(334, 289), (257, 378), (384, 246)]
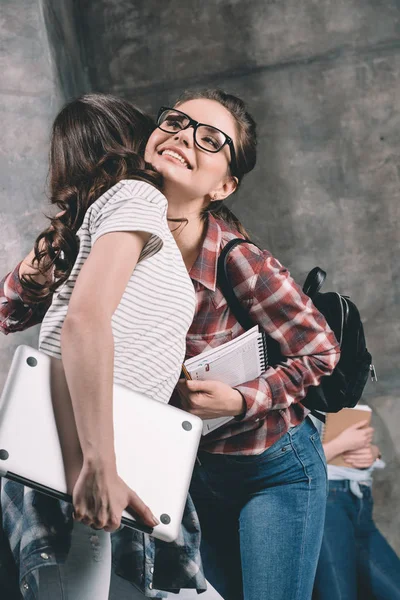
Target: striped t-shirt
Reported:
[(157, 306)]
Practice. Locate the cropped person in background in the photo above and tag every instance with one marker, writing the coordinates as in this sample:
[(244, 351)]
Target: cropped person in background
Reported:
[(356, 562)]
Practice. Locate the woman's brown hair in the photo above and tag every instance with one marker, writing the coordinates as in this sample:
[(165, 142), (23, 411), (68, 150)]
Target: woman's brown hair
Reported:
[(246, 149), (96, 141)]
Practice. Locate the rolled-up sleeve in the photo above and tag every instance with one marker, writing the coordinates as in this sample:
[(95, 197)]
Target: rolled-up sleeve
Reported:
[(127, 210), (16, 311), (278, 305)]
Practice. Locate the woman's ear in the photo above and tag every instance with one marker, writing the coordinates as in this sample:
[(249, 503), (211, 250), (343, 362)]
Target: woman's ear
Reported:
[(227, 187)]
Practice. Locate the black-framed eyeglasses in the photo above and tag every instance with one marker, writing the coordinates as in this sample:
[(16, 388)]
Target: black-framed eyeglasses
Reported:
[(206, 137)]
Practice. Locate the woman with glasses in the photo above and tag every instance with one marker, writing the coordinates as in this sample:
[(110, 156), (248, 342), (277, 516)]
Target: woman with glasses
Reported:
[(259, 485)]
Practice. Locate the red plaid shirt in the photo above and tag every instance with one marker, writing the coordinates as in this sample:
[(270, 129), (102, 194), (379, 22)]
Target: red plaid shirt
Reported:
[(274, 301), (278, 305)]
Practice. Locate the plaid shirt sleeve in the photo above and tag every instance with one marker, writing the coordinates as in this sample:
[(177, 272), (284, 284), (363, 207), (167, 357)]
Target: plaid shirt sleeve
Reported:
[(288, 316), (16, 312)]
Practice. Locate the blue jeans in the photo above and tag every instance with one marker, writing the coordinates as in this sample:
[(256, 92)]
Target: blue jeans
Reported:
[(356, 561), (262, 517)]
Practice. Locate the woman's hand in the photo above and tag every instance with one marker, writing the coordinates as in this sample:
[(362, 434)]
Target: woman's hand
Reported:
[(353, 438), (100, 496), (362, 458), (210, 399)]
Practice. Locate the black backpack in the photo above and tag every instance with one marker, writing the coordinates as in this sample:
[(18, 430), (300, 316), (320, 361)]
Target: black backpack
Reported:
[(343, 388)]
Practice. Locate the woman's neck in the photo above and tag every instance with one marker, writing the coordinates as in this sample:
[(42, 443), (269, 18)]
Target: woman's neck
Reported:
[(188, 231)]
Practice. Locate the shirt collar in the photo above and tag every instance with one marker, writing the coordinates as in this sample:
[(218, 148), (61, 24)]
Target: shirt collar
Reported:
[(204, 269)]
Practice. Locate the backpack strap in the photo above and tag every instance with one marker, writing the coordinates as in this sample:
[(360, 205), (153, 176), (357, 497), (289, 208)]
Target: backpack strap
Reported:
[(272, 348), (313, 283), (240, 313)]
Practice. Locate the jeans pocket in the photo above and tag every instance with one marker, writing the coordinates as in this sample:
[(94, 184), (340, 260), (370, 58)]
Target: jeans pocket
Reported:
[(316, 441), (309, 452)]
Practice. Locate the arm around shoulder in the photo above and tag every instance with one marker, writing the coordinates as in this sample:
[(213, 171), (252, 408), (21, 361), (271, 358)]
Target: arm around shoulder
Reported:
[(17, 312)]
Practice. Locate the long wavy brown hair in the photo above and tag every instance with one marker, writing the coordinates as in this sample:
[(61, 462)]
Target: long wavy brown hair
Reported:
[(96, 141)]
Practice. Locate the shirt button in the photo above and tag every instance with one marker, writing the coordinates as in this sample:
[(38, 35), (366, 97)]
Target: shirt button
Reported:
[(25, 586), (45, 556), (151, 586), (151, 569)]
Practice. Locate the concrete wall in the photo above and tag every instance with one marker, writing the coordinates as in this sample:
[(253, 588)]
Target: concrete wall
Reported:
[(40, 67), (321, 78), (29, 99)]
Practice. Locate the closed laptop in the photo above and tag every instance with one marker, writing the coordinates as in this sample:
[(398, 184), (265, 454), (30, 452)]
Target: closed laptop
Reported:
[(155, 443)]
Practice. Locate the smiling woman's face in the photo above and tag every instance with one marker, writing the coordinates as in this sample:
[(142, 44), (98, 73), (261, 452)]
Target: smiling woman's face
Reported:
[(196, 172)]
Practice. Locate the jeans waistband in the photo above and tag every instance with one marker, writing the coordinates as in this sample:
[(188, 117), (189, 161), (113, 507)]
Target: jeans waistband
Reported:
[(344, 485)]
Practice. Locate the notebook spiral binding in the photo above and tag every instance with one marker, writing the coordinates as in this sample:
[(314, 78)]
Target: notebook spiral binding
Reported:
[(262, 346)]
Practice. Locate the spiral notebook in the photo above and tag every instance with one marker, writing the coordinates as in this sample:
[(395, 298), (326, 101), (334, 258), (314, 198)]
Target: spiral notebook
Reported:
[(235, 362)]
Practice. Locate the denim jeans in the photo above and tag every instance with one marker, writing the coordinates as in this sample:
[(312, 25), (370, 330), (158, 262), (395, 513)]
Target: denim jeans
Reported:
[(356, 562), (262, 517)]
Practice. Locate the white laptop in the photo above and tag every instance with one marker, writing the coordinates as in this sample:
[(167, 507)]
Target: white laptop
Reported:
[(155, 443)]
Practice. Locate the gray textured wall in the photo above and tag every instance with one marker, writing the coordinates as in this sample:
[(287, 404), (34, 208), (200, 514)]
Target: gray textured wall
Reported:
[(29, 99), (322, 79)]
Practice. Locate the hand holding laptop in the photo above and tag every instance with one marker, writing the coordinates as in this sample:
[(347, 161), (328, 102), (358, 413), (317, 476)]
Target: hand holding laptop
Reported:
[(100, 496)]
